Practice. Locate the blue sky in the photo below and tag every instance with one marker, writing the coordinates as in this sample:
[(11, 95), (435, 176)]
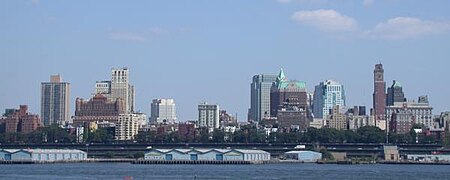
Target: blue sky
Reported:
[(208, 50)]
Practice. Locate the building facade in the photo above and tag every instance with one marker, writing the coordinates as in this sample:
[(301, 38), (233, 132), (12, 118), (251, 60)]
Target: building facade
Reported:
[(42, 155), (304, 156), (293, 118), (289, 103), (379, 94), (118, 87), (21, 121), (97, 109), (357, 118), (207, 155), (403, 115), (337, 119), (208, 116), (260, 96), (163, 111), (226, 119), (327, 95), (127, 126), (55, 103), (395, 94)]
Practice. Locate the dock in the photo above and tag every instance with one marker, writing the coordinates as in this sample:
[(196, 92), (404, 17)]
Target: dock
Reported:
[(196, 162)]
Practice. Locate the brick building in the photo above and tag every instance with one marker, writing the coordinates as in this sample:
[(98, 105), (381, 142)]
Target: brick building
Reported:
[(289, 103), (186, 132), (21, 121), (98, 109)]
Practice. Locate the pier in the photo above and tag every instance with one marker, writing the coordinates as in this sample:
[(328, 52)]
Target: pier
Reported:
[(196, 162)]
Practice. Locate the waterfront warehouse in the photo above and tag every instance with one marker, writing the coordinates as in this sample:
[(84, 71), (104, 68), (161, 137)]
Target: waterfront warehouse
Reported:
[(428, 157), (246, 155), (303, 156), (207, 155), (50, 155)]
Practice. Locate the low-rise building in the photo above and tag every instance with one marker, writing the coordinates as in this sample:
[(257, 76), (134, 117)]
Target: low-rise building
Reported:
[(391, 153), (51, 155), (428, 157), (317, 123), (303, 156), (207, 155)]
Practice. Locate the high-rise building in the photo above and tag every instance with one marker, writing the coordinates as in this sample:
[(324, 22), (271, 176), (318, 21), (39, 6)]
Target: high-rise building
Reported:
[(260, 96), (208, 116), (55, 104), (289, 103), (97, 109), (395, 94), (163, 111), (118, 87), (21, 121), (403, 115), (127, 126), (327, 95), (379, 94)]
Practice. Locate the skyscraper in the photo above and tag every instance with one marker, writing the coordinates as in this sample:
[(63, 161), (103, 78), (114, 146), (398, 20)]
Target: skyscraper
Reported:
[(260, 96), (55, 101), (289, 103), (327, 95), (379, 94), (208, 116), (395, 94), (163, 111), (118, 87)]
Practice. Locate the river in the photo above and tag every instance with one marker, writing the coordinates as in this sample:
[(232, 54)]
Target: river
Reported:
[(268, 171)]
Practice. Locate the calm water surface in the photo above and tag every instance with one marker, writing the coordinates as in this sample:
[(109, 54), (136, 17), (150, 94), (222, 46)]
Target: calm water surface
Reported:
[(271, 171)]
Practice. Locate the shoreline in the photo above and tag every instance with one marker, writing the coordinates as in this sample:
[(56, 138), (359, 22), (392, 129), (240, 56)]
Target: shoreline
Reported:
[(180, 162)]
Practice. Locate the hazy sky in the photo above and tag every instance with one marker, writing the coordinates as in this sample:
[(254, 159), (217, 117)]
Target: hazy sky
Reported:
[(208, 50)]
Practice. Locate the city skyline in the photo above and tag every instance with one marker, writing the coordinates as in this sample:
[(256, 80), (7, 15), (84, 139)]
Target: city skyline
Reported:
[(173, 54)]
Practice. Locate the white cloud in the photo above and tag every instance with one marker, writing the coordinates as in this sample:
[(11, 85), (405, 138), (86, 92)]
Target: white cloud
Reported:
[(406, 27), (368, 2), (126, 36), (326, 20)]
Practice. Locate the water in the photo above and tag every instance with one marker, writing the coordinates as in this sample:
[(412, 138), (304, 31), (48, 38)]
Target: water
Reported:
[(271, 171)]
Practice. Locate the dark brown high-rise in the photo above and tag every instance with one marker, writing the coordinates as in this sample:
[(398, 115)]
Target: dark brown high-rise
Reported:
[(379, 94)]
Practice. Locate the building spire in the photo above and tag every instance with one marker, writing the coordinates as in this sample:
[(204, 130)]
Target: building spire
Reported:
[(281, 76)]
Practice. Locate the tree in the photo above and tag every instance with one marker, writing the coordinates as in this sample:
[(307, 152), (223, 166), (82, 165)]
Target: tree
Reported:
[(218, 136), (371, 134), (100, 136)]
